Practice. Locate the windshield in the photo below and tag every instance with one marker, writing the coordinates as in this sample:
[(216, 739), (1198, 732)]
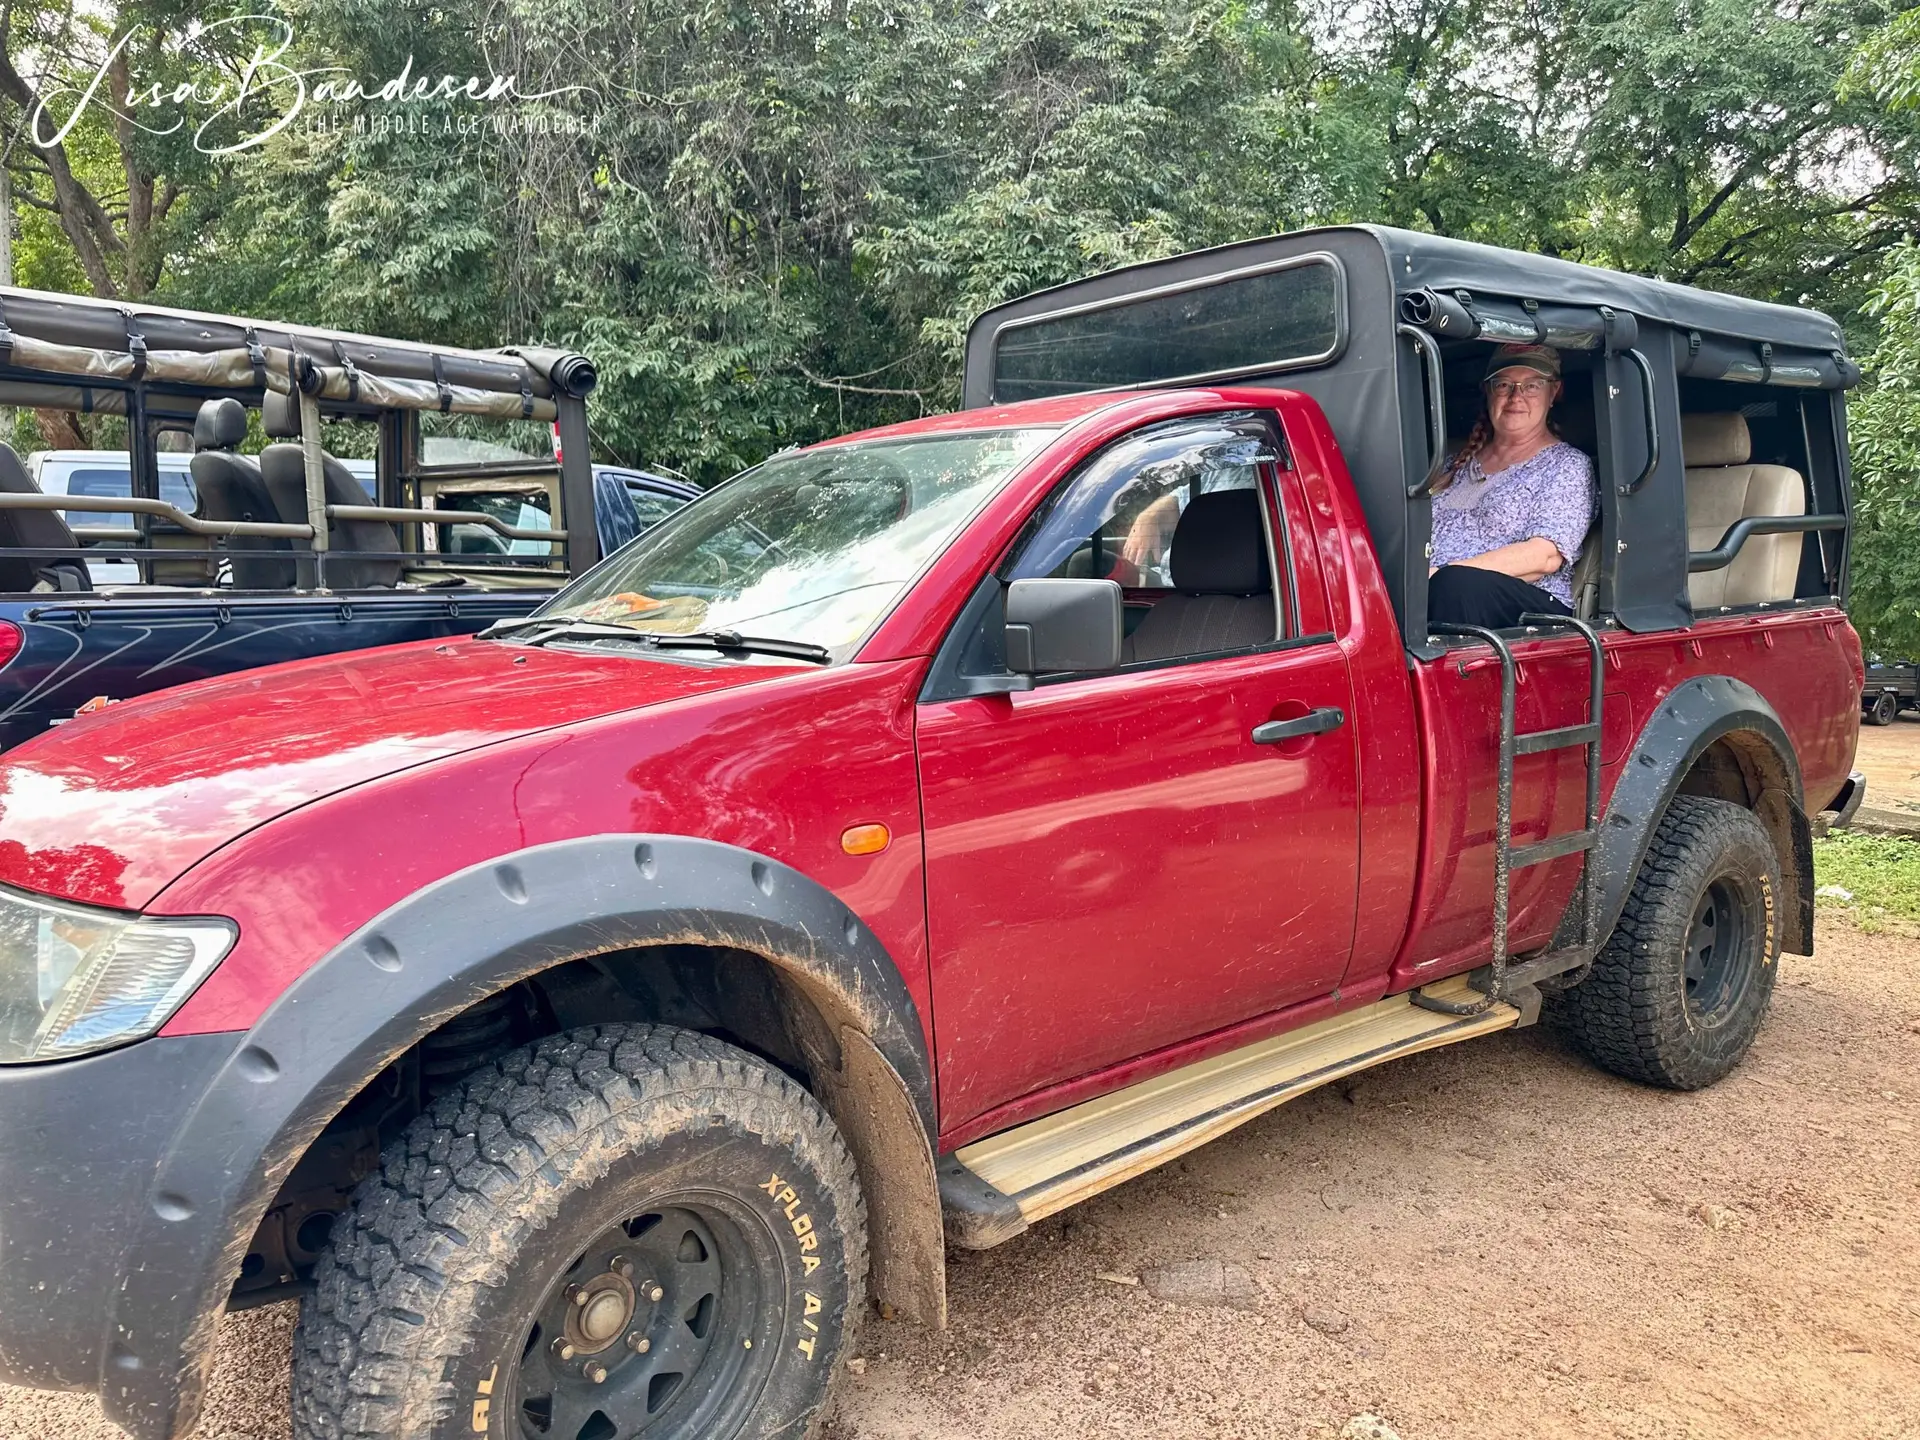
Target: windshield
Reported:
[(812, 546)]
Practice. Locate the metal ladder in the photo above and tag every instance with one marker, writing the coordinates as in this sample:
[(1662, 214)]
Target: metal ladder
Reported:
[(1502, 980)]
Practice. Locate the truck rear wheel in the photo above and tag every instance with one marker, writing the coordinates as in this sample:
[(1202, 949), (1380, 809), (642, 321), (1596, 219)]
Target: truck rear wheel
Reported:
[(629, 1232), (1677, 994), (1886, 709)]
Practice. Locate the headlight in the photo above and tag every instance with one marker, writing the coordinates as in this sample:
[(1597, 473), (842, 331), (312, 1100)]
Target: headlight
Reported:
[(75, 980)]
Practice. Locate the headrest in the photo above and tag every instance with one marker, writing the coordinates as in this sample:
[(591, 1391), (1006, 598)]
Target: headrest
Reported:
[(1220, 545), (220, 425), (280, 416), (14, 479), (1715, 439)]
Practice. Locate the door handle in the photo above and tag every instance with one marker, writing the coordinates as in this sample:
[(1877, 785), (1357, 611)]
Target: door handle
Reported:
[(1314, 722)]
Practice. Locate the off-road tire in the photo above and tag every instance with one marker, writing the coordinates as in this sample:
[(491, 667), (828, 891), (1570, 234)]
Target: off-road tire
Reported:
[(1634, 1014), (483, 1212), (1886, 709)]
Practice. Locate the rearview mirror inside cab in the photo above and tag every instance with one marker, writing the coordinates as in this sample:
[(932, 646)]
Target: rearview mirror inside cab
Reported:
[(1056, 624)]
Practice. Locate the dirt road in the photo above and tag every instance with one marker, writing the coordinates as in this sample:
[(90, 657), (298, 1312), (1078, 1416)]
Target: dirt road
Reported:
[(1889, 756), (1492, 1241)]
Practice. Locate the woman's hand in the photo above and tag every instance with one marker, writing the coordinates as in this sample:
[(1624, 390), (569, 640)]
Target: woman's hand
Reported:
[(1529, 560)]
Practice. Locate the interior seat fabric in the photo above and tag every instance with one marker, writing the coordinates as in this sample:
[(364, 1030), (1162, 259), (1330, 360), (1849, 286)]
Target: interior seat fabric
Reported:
[(34, 530), (284, 468), (1723, 486), (1222, 597), (229, 488)]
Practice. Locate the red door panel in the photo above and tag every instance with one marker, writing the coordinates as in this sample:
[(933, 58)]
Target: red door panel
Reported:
[(1113, 865)]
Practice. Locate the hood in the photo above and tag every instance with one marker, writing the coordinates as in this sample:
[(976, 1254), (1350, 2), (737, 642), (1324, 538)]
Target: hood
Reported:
[(108, 808)]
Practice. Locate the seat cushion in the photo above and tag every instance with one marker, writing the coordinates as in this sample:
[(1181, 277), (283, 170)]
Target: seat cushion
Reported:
[(1200, 625), (1585, 580), (1223, 596), (284, 469), (1768, 566), (34, 530), (230, 489)]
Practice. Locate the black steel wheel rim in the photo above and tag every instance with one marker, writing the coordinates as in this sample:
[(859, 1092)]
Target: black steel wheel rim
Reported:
[(659, 1330), (1719, 961)]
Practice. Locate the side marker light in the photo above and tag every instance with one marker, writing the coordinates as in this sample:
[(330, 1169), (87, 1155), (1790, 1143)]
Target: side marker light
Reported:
[(865, 839)]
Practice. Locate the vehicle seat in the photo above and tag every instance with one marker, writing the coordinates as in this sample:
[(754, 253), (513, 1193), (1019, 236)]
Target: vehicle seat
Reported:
[(1723, 487), (229, 488), (34, 530), (1585, 579), (284, 468), (1222, 596)]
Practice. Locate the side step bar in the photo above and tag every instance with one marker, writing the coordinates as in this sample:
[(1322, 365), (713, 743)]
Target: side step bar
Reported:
[(995, 1188)]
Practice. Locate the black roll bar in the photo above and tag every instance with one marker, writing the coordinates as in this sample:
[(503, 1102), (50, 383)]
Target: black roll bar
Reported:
[(1741, 531), (136, 504)]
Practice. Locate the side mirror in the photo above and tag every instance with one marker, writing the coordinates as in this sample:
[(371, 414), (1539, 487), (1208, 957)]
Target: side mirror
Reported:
[(1055, 625)]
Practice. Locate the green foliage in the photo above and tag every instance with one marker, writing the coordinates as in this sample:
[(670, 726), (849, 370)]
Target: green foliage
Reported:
[(1883, 423), (777, 220), (1880, 872)]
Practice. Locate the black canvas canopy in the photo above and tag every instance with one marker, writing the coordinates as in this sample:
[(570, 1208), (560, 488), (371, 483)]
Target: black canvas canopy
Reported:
[(152, 363), (86, 341), (1372, 322)]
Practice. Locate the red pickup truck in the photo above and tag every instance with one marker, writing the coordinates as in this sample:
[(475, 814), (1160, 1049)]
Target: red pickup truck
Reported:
[(912, 837)]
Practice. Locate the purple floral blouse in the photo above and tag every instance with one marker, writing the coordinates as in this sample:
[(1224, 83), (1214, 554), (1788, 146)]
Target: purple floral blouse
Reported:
[(1549, 496)]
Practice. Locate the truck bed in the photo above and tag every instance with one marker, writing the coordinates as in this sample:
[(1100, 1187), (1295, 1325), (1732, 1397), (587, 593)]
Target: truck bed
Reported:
[(1795, 659), (74, 648)]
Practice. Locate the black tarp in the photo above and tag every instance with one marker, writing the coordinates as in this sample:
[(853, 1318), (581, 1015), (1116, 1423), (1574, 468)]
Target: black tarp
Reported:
[(1375, 394)]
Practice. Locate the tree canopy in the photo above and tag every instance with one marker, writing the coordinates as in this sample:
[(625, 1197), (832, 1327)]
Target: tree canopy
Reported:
[(771, 220)]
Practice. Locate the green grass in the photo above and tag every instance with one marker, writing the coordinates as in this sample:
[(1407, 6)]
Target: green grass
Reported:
[(1883, 874)]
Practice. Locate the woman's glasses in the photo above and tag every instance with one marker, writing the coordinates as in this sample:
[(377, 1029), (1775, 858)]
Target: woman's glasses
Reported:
[(1519, 389)]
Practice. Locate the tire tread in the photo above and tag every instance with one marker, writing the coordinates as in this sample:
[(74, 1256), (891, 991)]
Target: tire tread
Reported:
[(1628, 1014), (417, 1233)]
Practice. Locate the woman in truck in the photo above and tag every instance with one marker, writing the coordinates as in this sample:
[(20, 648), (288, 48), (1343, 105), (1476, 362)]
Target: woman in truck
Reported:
[(1512, 505)]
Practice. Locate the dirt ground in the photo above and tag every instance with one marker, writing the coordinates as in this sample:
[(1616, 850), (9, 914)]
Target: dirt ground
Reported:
[(1489, 1241), (1889, 756)]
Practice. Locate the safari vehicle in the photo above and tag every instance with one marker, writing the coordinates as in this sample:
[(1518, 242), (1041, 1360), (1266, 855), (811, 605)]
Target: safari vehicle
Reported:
[(1892, 686), (124, 572), (587, 1019)]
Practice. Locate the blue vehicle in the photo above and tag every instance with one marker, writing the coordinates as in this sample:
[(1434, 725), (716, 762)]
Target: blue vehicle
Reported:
[(236, 528)]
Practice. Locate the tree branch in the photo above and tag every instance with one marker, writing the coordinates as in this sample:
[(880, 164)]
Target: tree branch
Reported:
[(86, 225)]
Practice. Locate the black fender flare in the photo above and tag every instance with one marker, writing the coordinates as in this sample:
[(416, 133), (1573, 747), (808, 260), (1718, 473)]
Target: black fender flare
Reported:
[(403, 973), (1691, 718)]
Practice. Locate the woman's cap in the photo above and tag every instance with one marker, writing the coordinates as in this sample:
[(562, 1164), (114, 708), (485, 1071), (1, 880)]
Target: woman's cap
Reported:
[(1543, 358)]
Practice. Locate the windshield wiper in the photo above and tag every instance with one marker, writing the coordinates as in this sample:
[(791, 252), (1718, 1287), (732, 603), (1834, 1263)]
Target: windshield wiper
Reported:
[(734, 640), (559, 627)]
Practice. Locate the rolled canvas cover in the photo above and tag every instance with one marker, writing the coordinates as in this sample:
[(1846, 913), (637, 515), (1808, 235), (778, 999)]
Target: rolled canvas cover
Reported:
[(94, 339)]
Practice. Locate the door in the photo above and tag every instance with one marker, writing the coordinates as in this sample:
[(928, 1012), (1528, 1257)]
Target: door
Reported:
[(1117, 862)]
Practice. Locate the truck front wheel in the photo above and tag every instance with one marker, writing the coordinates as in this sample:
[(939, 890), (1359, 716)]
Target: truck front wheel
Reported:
[(1886, 709), (625, 1231), (1677, 994)]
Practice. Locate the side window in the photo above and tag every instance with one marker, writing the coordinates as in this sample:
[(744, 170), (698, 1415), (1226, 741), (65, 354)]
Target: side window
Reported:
[(1179, 517), (176, 488), (96, 483), (650, 507)]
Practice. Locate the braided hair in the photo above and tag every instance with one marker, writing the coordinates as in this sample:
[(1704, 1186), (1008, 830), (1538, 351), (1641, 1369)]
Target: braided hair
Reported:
[(1449, 471)]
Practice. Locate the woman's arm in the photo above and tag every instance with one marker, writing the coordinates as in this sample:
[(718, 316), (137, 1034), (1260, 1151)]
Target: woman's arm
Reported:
[(1528, 560)]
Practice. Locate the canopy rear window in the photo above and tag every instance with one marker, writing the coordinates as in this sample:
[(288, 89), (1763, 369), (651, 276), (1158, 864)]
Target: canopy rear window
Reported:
[(1279, 316)]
